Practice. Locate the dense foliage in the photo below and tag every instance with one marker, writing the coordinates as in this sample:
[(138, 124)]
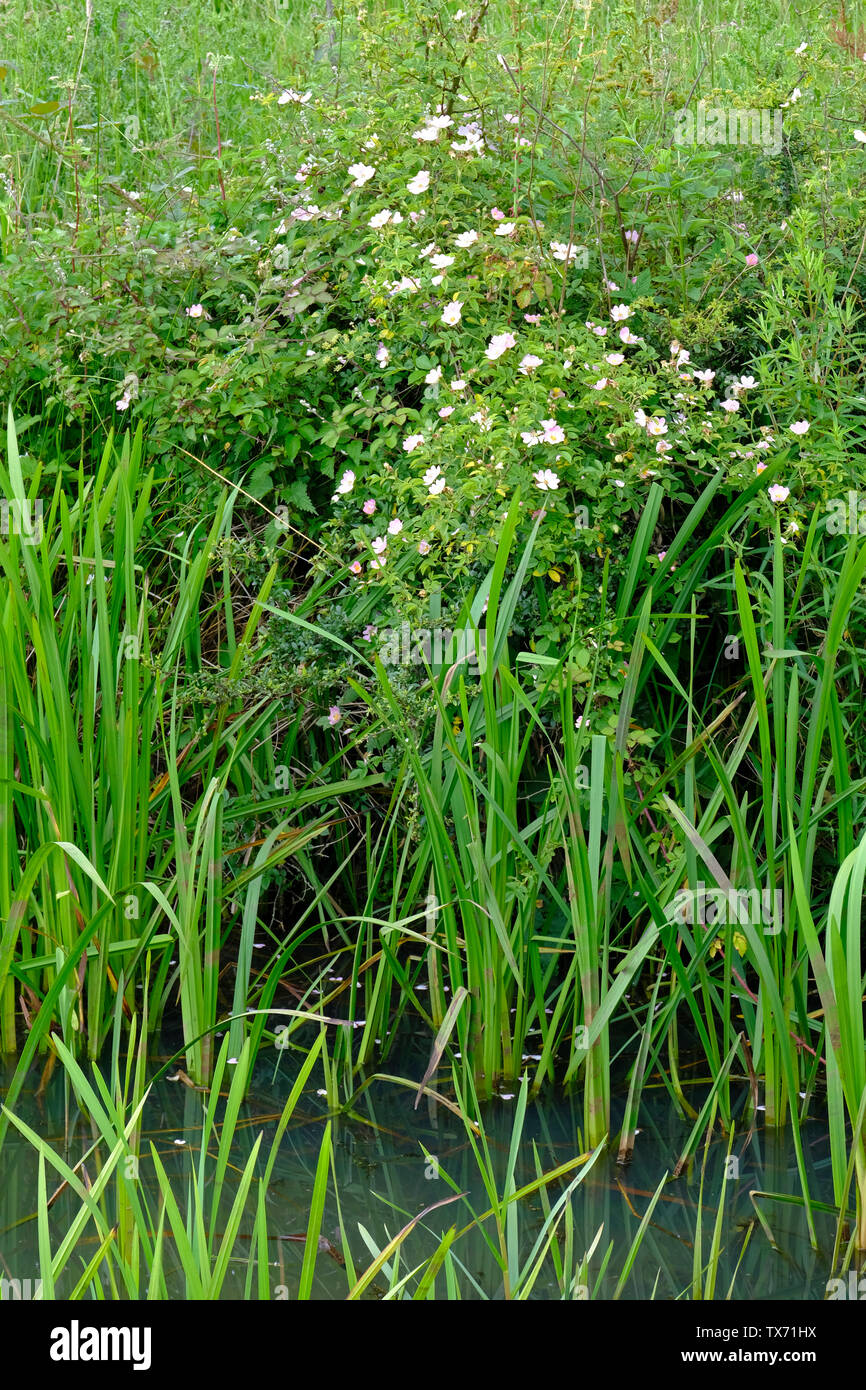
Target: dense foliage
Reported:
[(446, 435)]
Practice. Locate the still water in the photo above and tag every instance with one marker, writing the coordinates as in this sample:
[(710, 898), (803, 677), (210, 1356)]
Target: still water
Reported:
[(384, 1178)]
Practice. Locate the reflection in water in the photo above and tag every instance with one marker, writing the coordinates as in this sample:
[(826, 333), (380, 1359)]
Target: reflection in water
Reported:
[(384, 1177)]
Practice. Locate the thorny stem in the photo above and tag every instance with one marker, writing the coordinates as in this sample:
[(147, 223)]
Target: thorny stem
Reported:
[(473, 34), (219, 141)]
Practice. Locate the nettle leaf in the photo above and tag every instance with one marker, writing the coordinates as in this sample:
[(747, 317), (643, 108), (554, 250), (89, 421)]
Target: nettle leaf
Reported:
[(297, 495), (260, 483)]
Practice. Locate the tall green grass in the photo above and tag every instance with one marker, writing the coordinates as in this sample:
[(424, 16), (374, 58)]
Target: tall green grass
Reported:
[(115, 786)]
